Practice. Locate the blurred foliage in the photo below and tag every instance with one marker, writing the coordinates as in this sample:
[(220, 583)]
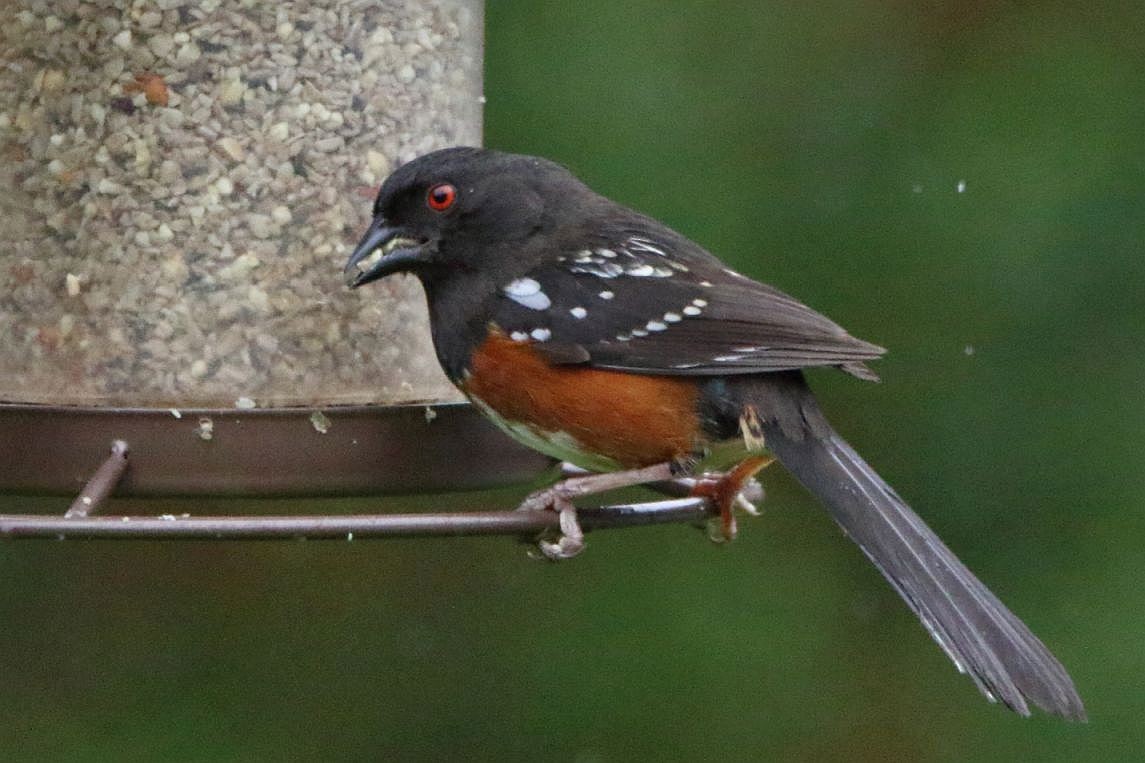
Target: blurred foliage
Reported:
[(819, 147)]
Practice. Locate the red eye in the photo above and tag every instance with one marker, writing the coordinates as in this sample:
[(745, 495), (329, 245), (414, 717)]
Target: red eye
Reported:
[(441, 197)]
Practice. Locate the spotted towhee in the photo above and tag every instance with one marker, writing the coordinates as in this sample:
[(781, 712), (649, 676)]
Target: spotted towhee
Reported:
[(602, 337)]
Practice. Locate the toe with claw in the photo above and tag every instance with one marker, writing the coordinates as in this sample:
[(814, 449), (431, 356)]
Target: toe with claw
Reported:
[(570, 541), (730, 491)]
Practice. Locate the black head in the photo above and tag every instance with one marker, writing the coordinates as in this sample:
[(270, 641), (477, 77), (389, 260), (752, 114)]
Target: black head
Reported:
[(460, 210)]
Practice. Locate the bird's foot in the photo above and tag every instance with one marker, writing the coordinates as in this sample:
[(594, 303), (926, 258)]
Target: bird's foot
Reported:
[(569, 540), (737, 489), (559, 497)]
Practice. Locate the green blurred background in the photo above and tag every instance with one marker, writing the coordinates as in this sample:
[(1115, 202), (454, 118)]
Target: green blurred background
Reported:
[(819, 147)]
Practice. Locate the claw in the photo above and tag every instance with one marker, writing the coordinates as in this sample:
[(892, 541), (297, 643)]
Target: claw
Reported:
[(729, 492), (746, 506), (752, 492), (717, 532), (571, 540)]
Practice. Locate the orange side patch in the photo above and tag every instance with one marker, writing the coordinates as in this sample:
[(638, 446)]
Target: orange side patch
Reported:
[(634, 420)]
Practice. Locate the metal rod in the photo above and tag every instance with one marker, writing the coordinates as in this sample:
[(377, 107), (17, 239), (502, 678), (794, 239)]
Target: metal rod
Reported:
[(99, 487), (184, 527)]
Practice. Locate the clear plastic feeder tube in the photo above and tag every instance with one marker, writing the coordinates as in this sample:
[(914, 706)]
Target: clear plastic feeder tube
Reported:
[(180, 184)]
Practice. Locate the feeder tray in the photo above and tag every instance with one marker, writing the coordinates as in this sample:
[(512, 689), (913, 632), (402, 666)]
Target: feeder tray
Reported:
[(283, 452)]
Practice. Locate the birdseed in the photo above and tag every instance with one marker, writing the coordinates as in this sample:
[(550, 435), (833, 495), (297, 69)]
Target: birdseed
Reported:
[(181, 183)]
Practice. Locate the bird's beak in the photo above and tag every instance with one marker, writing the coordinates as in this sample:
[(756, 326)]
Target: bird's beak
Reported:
[(384, 250)]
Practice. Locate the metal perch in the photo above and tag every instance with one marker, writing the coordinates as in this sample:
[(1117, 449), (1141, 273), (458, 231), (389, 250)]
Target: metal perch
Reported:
[(80, 520), (171, 527)]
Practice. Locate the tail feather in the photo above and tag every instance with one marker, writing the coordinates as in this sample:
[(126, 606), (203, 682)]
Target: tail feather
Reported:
[(983, 638)]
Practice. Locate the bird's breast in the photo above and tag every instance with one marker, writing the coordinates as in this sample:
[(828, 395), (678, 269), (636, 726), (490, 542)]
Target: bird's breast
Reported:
[(597, 419)]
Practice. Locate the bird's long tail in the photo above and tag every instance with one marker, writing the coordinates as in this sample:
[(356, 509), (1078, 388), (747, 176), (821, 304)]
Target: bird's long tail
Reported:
[(983, 638)]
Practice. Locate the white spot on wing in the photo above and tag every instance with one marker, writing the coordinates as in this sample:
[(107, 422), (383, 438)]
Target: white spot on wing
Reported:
[(597, 268), (541, 335), (656, 326), (519, 336), (641, 271), (527, 293), (705, 283), (639, 332), (700, 302), (522, 287), (672, 318), (727, 358), (692, 310), (606, 253), (578, 312), (606, 295), (538, 301), (644, 245)]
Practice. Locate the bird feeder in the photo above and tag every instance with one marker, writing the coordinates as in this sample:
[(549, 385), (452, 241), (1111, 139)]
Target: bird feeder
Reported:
[(179, 186)]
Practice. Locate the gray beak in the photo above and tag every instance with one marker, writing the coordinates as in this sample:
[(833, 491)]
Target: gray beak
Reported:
[(384, 250)]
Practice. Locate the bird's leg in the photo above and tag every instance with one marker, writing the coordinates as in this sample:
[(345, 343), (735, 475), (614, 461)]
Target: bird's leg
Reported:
[(726, 492), (559, 498), (591, 484)]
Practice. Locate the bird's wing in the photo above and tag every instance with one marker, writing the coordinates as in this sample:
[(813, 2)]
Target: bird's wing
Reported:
[(666, 306)]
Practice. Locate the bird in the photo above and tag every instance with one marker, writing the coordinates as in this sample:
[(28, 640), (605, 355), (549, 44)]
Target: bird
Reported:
[(600, 336)]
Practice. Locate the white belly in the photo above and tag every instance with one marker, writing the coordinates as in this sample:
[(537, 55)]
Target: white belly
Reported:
[(560, 445)]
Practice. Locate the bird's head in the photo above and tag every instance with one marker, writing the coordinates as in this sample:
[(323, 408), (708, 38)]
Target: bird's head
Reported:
[(434, 215)]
